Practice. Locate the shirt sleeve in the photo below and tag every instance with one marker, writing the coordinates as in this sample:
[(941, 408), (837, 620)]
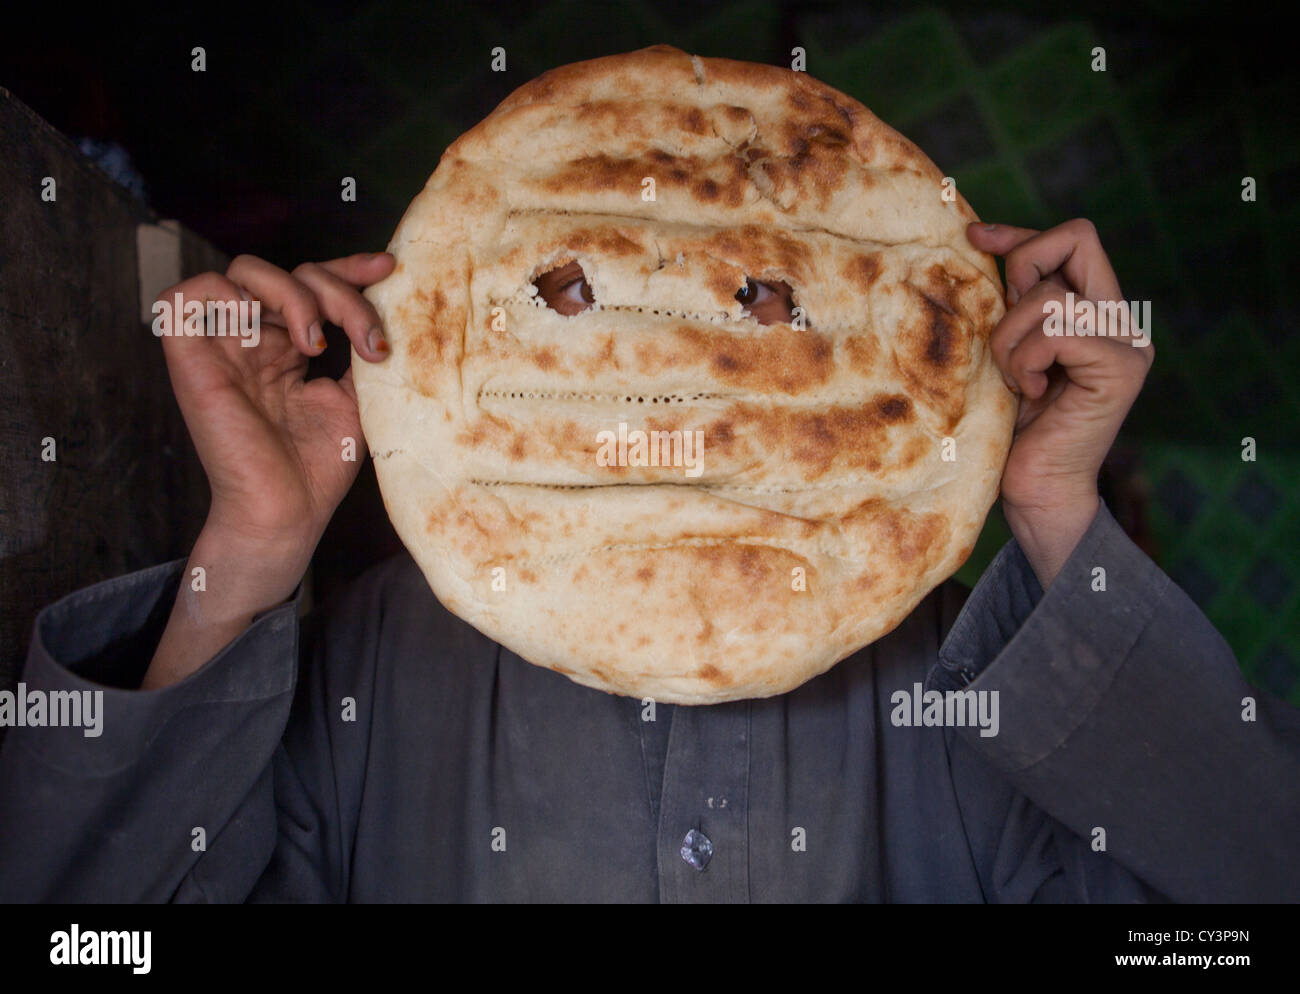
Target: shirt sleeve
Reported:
[(1141, 764), (180, 793)]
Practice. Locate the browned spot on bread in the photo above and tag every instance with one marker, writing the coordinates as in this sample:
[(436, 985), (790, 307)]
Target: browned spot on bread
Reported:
[(606, 240), (751, 564), (759, 251), (811, 170), (707, 190), (562, 669), (862, 271), (938, 274), (853, 437), (861, 351), (486, 431), (723, 279), (939, 350), (932, 351), (437, 330), (812, 440), (565, 440), (713, 675), (527, 575), (734, 183), (603, 360), (916, 449), (477, 199), (611, 117), (705, 179), (901, 536), (645, 574), (779, 359), (545, 359), (596, 172), (894, 408), (465, 521)]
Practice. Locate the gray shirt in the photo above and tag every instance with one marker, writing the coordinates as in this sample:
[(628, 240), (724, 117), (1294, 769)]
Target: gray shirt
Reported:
[(384, 750)]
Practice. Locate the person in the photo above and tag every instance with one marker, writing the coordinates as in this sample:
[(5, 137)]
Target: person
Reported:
[(383, 750)]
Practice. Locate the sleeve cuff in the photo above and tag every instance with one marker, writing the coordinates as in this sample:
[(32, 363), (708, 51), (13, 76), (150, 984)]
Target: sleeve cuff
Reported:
[(1050, 655), (99, 641)]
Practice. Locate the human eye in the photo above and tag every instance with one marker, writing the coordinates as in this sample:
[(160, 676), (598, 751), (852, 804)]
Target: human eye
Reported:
[(768, 303), (578, 291), (566, 289), (754, 293)]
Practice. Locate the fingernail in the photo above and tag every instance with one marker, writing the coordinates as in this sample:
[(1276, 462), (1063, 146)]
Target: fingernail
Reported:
[(316, 337), (989, 227), (376, 340), (1012, 295)]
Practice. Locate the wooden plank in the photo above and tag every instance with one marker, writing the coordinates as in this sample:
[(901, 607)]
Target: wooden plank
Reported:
[(77, 365)]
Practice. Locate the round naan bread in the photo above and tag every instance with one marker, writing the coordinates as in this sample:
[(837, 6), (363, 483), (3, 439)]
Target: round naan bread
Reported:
[(826, 473)]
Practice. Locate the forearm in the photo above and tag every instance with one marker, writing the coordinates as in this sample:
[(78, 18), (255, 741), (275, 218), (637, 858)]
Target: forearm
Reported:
[(226, 583)]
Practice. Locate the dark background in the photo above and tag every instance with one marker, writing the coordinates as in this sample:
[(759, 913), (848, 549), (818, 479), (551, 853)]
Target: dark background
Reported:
[(250, 154)]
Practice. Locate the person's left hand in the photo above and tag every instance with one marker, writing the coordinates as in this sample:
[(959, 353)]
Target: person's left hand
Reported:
[(1074, 391)]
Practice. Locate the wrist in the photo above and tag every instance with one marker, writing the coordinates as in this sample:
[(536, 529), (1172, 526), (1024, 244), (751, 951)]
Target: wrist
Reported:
[(1049, 533), (243, 575), (227, 582)]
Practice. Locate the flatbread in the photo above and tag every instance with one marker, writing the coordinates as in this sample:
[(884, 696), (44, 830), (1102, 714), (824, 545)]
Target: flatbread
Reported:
[(847, 466)]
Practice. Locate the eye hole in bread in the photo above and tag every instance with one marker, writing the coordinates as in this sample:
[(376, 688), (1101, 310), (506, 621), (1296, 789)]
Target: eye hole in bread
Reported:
[(768, 302), (566, 289)]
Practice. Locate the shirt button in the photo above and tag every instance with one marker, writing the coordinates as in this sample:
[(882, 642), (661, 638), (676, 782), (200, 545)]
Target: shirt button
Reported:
[(697, 850)]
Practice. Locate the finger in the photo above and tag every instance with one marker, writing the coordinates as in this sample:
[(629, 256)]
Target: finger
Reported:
[(1020, 320), (211, 286), (361, 269), (204, 287), (1074, 249), (343, 304), (281, 293), (1090, 362), (997, 239)]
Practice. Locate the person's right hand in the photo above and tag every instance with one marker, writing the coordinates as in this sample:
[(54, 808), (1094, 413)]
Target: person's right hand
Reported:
[(272, 443)]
